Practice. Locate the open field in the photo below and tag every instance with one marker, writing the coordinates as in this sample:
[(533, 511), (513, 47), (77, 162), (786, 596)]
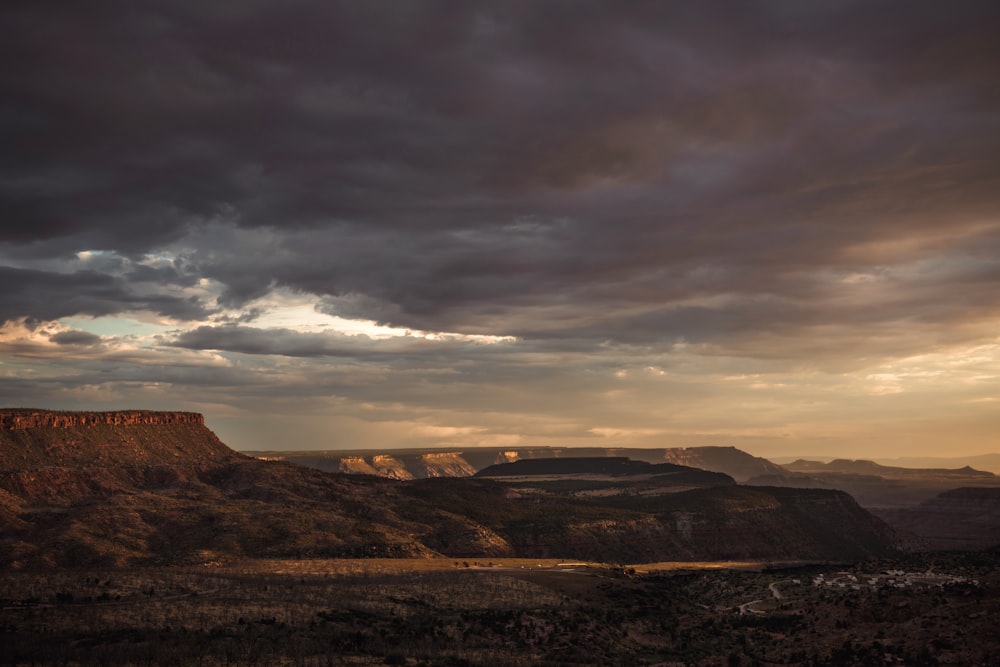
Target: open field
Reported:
[(928, 609)]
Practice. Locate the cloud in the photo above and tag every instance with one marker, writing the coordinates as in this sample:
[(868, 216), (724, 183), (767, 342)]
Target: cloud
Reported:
[(46, 295), (83, 338), (736, 188)]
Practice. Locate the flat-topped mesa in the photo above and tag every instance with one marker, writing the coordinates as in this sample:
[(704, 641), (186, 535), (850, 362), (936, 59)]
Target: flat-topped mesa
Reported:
[(32, 439), (19, 419)]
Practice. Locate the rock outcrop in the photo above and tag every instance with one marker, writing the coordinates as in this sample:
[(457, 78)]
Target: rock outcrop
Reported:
[(391, 467), (20, 418), (31, 439)]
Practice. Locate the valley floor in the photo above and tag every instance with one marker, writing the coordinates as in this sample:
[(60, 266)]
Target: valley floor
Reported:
[(924, 609)]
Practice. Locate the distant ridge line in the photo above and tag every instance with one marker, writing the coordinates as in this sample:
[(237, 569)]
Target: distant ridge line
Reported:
[(19, 419)]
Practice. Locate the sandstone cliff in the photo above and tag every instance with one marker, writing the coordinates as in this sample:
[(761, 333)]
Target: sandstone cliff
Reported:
[(38, 439), (17, 419)]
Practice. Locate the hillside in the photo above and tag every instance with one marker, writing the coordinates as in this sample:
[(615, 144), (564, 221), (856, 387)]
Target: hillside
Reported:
[(139, 486), (722, 522), (34, 438), (79, 489), (878, 486), (963, 518)]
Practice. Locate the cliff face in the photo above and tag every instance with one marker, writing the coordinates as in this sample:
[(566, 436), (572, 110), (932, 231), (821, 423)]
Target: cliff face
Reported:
[(442, 464), (20, 419), (391, 467), (399, 465), (33, 439), (356, 465)]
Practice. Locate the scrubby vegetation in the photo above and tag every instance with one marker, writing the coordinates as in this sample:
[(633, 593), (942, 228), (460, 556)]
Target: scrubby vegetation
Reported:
[(504, 612)]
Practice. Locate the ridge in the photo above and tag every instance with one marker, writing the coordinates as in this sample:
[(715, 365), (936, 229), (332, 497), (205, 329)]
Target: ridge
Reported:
[(16, 419)]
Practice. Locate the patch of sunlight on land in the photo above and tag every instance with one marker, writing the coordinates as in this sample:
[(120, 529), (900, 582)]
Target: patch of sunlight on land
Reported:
[(397, 566)]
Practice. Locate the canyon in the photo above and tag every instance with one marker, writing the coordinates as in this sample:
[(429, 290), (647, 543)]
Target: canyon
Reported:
[(138, 487)]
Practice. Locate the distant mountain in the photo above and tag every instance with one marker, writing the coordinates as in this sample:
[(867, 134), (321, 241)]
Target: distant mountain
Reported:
[(989, 462), (609, 466), (418, 464), (963, 518), (736, 463), (874, 485), (865, 467), (111, 489)]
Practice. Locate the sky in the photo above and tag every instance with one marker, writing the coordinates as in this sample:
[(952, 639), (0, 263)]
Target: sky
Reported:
[(770, 224)]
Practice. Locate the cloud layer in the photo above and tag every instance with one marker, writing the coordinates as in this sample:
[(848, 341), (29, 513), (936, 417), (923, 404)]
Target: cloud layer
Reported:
[(477, 222)]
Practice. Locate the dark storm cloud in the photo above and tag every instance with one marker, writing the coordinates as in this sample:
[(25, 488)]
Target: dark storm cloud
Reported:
[(75, 338), (639, 171), (289, 343), (258, 341), (43, 295)]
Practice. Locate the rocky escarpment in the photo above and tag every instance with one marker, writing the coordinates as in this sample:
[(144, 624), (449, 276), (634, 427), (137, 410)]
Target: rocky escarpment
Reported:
[(16, 419), (32, 439), (391, 467), (355, 465), (442, 464), (398, 465)]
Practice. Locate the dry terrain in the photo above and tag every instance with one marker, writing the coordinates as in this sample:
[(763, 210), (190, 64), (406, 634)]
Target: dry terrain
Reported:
[(931, 609)]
